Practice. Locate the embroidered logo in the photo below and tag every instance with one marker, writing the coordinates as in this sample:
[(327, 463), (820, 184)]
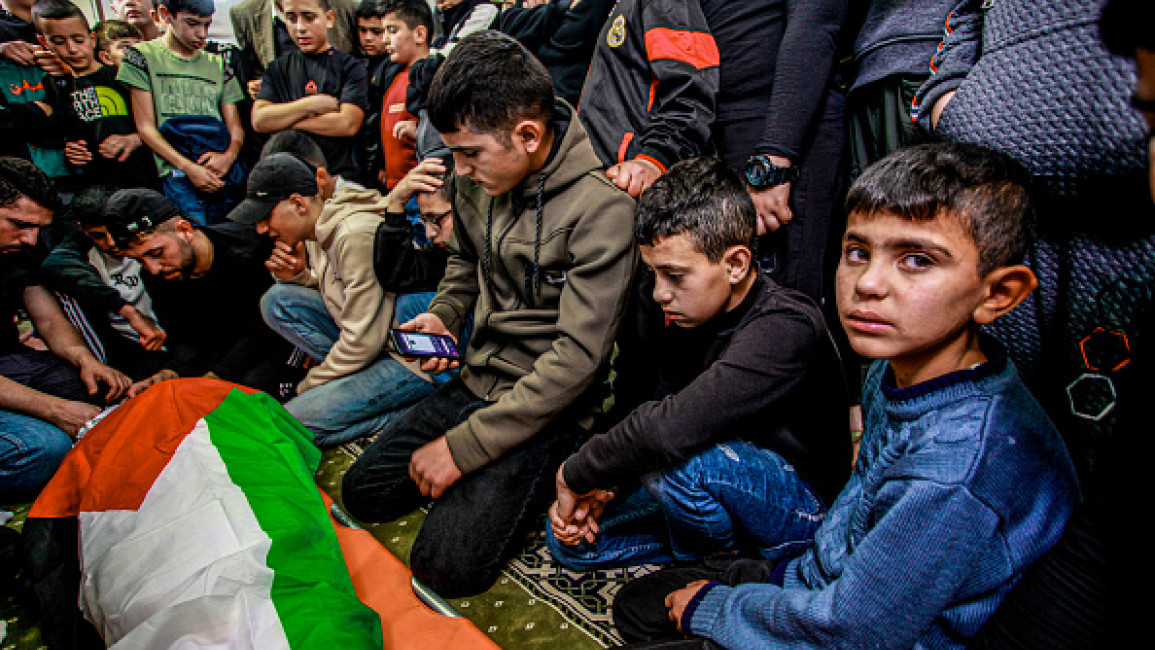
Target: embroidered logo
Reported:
[(617, 33), (311, 88)]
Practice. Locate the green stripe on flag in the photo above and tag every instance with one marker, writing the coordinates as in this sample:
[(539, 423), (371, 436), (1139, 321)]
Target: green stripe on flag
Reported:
[(271, 458)]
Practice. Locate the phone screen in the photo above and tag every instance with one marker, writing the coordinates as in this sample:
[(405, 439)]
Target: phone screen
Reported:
[(420, 344)]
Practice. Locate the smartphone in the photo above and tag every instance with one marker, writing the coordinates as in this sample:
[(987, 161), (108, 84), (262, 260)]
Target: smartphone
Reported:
[(422, 344)]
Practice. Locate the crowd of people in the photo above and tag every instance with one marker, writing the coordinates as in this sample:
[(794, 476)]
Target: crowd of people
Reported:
[(839, 311)]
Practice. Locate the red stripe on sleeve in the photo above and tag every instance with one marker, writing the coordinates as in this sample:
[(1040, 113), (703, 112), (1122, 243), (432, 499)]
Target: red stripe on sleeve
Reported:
[(696, 48)]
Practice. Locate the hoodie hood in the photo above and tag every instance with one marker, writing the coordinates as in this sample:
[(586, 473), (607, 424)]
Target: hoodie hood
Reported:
[(569, 159), (346, 202)]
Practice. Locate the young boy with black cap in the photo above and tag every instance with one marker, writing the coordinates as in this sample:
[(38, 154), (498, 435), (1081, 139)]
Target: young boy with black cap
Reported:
[(213, 279), (329, 303)]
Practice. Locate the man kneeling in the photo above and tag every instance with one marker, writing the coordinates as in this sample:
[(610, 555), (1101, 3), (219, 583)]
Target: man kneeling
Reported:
[(735, 414)]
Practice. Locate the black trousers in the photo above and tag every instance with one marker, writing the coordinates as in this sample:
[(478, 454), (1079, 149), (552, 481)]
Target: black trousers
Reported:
[(640, 612), (483, 519)]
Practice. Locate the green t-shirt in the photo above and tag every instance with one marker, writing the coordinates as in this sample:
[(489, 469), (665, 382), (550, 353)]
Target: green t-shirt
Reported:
[(179, 86)]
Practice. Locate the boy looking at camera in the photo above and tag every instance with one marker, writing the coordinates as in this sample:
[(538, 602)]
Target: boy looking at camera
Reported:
[(94, 112), (961, 480), (741, 439), (317, 88), (541, 256), (408, 28), (173, 77)]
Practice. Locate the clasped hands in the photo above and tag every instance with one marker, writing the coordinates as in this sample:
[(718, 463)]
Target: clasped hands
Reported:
[(574, 517)]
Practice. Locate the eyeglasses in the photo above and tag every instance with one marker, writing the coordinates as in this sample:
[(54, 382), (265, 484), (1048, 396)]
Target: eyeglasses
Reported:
[(433, 221)]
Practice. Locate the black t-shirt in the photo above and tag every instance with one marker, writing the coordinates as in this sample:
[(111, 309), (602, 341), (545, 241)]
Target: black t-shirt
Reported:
[(333, 72), (18, 270), (98, 106)]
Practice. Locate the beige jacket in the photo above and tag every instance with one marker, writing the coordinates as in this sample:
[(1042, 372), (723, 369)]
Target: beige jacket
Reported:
[(341, 268)]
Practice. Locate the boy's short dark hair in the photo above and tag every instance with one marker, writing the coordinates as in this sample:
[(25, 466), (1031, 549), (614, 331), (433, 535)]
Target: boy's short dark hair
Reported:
[(19, 177), (372, 8), (56, 10), (108, 31), (985, 190), (298, 143), (489, 83), (199, 8), (703, 199), (414, 13), (88, 205), (1127, 25)]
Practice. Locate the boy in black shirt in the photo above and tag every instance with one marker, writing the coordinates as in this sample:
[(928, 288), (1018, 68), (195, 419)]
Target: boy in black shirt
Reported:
[(94, 111), (317, 89)]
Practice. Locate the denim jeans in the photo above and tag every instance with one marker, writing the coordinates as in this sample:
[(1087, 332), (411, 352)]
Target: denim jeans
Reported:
[(30, 448), (355, 405), (482, 520), (30, 451), (731, 497)]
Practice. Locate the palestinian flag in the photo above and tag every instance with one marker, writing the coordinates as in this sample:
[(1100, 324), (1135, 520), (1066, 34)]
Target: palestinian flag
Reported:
[(197, 524)]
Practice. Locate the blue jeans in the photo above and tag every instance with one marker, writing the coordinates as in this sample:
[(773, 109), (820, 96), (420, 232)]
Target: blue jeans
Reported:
[(30, 451), (731, 497), (355, 405)]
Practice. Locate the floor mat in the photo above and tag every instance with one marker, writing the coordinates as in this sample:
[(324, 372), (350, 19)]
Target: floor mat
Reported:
[(535, 603)]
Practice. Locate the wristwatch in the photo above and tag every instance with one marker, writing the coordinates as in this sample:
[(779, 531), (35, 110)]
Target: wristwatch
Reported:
[(762, 174)]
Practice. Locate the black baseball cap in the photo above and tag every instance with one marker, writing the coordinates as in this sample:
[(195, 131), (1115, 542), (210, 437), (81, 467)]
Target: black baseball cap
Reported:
[(131, 212), (273, 179)]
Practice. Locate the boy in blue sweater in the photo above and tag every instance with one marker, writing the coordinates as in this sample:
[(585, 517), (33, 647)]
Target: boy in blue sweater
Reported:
[(961, 480)]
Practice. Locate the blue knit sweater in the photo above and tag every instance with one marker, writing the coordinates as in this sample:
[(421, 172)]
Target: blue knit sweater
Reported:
[(961, 482)]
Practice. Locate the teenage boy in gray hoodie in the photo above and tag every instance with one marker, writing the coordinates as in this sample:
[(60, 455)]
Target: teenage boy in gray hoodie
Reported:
[(542, 256)]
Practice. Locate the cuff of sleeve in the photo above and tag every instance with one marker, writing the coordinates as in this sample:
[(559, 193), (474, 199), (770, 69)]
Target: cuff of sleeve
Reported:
[(577, 481), (705, 610), (924, 102), (651, 159), (448, 315), (466, 450)]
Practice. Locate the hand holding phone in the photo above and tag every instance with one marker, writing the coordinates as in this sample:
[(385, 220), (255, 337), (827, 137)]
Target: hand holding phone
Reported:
[(428, 323), (423, 345)]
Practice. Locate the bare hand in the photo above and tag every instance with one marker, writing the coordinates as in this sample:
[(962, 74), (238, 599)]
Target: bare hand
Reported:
[(152, 337), (70, 416), (287, 262), (217, 162), (431, 324), (203, 179), (773, 207), (254, 88), (425, 177), (676, 601), (77, 153), (405, 130), (19, 52), (634, 176), (432, 468), (47, 61), (161, 375), (573, 517), (93, 373), (119, 147)]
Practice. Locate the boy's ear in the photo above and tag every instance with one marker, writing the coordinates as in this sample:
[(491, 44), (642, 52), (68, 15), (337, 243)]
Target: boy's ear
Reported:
[(737, 260), (531, 133), (421, 35), (330, 19), (104, 57), (1006, 287)]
